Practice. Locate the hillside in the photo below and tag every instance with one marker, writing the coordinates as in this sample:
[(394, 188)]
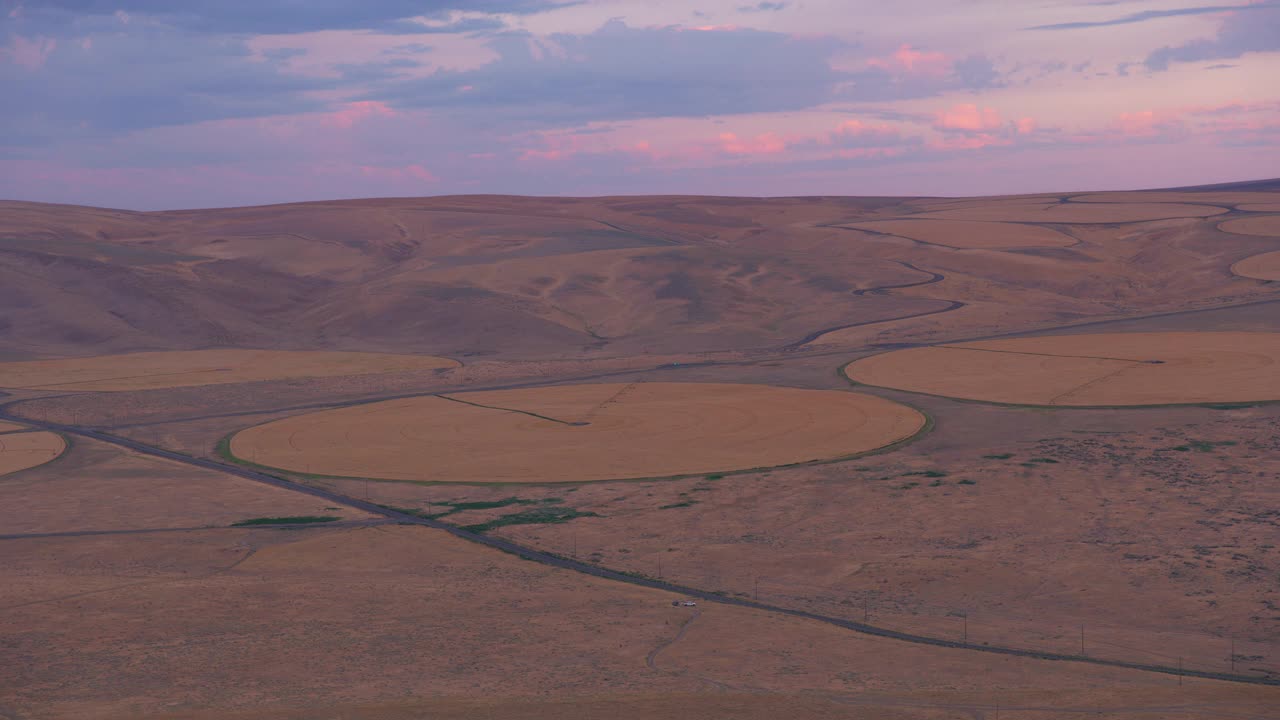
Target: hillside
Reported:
[(533, 277)]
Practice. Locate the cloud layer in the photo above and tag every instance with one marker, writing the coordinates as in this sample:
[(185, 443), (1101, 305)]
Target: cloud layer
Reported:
[(144, 103)]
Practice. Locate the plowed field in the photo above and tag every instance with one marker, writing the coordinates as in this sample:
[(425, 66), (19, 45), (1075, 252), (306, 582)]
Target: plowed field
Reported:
[(20, 451), (970, 234)]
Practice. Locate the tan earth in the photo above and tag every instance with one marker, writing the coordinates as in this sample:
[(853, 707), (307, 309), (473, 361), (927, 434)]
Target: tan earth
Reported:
[(19, 451), (140, 371), (1261, 267), (1266, 226), (581, 432), (11, 427), (1084, 213), (970, 234), (1088, 370), (124, 593), (1196, 198), (1261, 207)]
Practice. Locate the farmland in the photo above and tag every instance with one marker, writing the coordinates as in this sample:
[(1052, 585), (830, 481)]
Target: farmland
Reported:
[(1040, 424)]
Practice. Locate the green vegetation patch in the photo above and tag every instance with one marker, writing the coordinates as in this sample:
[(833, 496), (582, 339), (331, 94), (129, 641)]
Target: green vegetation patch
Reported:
[(1043, 461), (1001, 456), (545, 515), (294, 520), (925, 473)]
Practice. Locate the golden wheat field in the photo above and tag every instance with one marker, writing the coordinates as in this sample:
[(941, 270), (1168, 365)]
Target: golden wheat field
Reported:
[(1088, 370), (1266, 226), (581, 432), (19, 451), (1260, 267), (140, 371)]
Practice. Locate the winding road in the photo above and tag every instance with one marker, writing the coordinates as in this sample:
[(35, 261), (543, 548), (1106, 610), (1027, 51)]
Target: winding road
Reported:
[(564, 563)]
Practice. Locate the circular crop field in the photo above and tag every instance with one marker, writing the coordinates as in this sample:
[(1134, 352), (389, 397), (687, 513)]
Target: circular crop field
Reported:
[(150, 370), (1088, 370), (1076, 213), (1265, 225), (581, 432), (1260, 267), (22, 450)]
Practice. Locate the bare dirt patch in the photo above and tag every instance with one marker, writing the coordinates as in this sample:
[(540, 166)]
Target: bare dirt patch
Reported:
[(1088, 370), (580, 433), (140, 371), (1078, 212), (1266, 226), (970, 234), (1260, 267), (19, 451)]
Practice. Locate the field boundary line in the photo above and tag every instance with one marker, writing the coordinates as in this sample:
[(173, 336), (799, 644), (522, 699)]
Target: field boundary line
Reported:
[(505, 409), (558, 561), (1023, 352)]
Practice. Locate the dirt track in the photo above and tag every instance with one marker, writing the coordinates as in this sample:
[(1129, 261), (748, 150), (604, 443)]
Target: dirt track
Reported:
[(577, 566)]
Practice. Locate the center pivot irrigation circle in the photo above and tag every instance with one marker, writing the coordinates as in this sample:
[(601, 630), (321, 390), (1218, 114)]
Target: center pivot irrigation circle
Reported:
[(1121, 369), (581, 432)]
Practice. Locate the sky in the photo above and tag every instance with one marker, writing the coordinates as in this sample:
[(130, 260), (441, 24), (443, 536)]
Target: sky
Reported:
[(155, 104)]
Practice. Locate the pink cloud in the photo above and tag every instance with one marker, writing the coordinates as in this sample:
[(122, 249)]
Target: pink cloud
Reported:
[(407, 172), (30, 54), (914, 61), (354, 112), (1142, 122), (764, 144), (968, 117)]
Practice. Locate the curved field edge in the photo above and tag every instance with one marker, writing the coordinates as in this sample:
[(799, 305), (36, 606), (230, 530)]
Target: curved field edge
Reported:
[(555, 560), (223, 450), (69, 387), (1211, 404), (67, 445)]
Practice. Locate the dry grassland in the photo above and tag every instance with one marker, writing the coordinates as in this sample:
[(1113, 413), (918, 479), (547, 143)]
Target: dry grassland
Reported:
[(970, 234), (1088, 370), (1084, 213), (142, 371), (11, 427), (580, 433), (399, 622), (1262, 207), (19, 451), (1260, 267), (1266, 226)]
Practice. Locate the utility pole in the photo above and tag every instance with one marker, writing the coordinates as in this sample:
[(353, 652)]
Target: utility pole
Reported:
[(1233, 654), (575, 543), (757, 592), (1082, 639), (866, 609), (1179, 672), (966, 628), (659, 567)]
